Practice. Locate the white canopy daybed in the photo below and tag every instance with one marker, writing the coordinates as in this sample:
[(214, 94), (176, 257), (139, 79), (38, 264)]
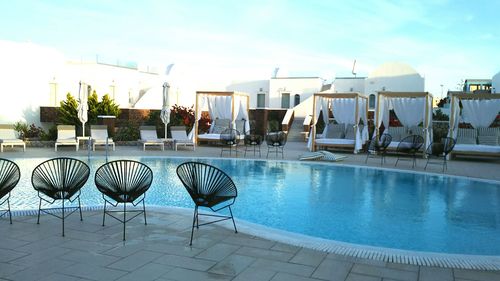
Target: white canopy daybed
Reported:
[(348, 109), (480, 110), (411, 108), (228, 108)]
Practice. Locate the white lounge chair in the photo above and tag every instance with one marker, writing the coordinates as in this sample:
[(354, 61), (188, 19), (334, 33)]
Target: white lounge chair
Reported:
[(8, 137), (180, 137), (66, 135), (99, 135), (149, 137)]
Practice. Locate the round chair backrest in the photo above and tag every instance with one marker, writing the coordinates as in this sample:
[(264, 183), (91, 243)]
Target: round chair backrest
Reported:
[(207, 185), (9, 176), (123, 180), (60, 178), (276, 138), (229, 137), (385, 141)]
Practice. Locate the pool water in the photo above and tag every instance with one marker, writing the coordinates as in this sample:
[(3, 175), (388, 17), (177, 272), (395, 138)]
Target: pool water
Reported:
[(358, 205)]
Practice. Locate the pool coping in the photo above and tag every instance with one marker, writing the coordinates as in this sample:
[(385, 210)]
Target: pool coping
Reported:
[(418, 258)]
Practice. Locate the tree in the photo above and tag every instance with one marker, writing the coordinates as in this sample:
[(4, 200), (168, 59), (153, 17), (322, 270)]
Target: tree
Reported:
[(68, 113)]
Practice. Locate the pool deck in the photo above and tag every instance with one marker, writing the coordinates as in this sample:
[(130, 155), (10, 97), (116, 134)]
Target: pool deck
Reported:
[(160, 250)]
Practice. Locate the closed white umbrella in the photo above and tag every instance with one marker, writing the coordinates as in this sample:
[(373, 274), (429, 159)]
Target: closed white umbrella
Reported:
[(165, 110), (82, 105)]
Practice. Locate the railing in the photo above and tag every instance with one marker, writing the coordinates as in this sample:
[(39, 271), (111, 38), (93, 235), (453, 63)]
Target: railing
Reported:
[(286, 124)]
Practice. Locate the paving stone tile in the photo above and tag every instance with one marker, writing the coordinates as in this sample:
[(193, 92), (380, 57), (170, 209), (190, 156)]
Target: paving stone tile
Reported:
[(402, 266), (7, 255), (123, 250), (135, 260), (280, 276), (60, 277), (7, 269), (42, 255), (330, 269), (92, 272), (476, 275), (173, 249), (89, 258), (359, 277), (185, 262), (250, 274), (308, 257), (249, 242), (11, 243), (150, 271), (263, 253), (89, 246), (285, 248), (435, 274), (296, 269), (232, 265), (42, 269), (182, 274), (385, 272), (218, 252)]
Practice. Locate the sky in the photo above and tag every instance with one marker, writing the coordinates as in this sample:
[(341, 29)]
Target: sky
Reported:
[(444, 41)]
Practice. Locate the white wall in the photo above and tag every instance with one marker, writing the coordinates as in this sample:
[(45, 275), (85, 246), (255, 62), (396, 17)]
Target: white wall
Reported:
[(305, 87), (495, 83), (252, 88), (348, 84), (403, 83)]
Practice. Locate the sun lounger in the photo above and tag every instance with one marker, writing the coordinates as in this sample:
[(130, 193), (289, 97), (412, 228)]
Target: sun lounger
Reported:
[(180, 137), (8, 137), (66, 135), (149, 137), (99, 135)]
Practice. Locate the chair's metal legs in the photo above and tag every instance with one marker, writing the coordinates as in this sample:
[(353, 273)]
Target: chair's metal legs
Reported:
[(8, 206), (144, 210), (39, 210), (124, 219), (232, 218), (63, 217), (80, 208), (195, 219), (104, 213)]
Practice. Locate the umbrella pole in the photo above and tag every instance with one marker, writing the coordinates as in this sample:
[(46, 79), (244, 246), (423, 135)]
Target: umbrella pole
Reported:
[(83, 129), (165, 131)]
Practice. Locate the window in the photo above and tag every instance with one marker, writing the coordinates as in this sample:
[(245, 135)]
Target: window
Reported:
[(261, 100), (285, 100), (296, 100), (371, 101)]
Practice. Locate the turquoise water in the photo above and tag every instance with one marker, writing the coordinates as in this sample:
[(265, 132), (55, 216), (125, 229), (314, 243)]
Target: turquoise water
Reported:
[(351, 204)]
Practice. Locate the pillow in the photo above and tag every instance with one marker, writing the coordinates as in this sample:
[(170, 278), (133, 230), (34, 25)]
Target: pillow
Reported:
[(488, 140), (222, 123), (218, 129), (466, 140), (468, 133), (240, 126), (311, 156), (349, 132), (335, 131), (396, 137), (328, 156), (489, 131)]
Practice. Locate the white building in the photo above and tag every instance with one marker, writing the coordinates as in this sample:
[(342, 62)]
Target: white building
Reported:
[(392, 76), (495, 84)]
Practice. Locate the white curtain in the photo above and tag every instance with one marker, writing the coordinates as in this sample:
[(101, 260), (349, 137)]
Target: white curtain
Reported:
[(344, 110), (202, 100), (428, 126), (326, 112), (409, 110), (456, 118), (317, 111), (383, 114), (480, 113), (240, 111), (361, 136)]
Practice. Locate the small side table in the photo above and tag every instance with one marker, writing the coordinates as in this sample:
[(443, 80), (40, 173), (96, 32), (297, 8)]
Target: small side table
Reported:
[(170, 142), (87, 138)]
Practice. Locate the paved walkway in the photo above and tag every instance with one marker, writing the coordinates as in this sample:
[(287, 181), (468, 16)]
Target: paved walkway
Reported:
[(160, 251)]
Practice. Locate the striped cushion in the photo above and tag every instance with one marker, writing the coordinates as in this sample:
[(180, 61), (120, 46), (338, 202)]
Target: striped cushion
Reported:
[(470, 133), (397, 133), (335, 131), (417, 130), (488, 131), (328, 156), (466, 140), (311, 156), (349, 132), (488, 140)]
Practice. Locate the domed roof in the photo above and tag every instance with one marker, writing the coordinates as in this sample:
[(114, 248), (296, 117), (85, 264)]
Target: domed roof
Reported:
[(389, 69)]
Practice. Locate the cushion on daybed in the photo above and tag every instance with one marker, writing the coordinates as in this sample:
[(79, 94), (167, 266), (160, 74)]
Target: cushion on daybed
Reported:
[(397, 133), (335, 131), (487, 140), (466, 136)]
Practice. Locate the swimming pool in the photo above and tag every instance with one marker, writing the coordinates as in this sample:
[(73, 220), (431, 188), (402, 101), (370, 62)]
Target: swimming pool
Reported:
[(375, 207)]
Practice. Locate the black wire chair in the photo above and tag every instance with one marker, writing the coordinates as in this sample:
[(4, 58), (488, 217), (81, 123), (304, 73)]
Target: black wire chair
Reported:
[(229, 139), (9, 177), (408, 147), (275, 143), (437, 153), (209, 187), (123, 181), (378, 147), (252, 141), (60, 179)]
